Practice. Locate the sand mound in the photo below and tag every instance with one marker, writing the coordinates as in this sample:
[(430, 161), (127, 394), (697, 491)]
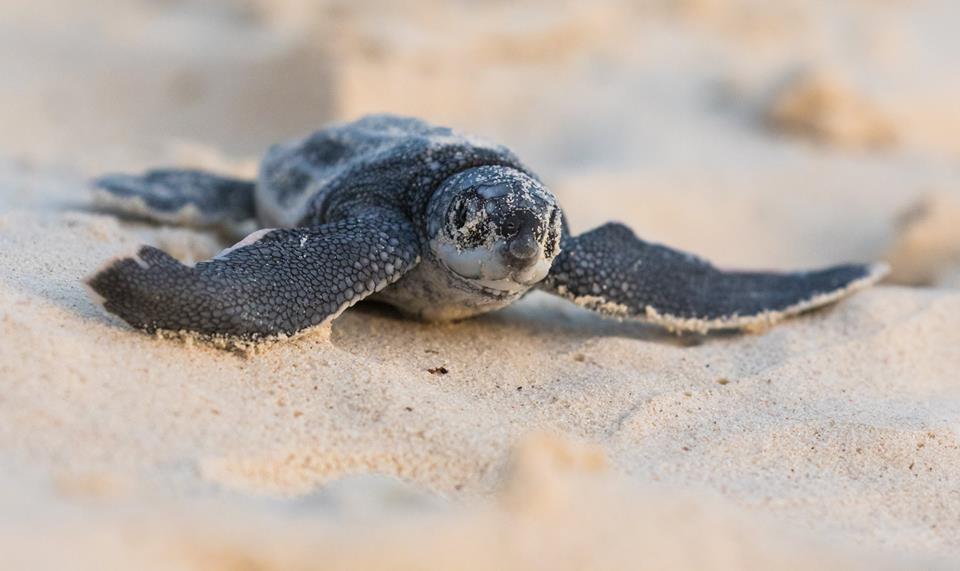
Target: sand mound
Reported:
[(818, 105), (927, 246)]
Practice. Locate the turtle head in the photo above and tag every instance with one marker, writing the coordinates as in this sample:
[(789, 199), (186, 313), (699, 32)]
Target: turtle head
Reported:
[(495, 227)]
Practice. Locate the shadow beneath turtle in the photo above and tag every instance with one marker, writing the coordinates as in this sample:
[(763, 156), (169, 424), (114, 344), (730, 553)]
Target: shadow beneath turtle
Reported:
[(537, 316)]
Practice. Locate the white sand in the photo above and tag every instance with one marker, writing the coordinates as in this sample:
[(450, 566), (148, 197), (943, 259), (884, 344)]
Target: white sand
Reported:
[(831, 441)]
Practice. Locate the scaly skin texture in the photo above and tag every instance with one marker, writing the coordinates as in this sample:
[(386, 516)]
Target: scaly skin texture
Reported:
[(186, 197), (611, 271), (284, 282), (329, 183), (381, 161), (364, 203)]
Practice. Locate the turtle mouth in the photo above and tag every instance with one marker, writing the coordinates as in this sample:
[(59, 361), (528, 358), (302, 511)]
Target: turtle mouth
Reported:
[(517, 279), (489, 270)]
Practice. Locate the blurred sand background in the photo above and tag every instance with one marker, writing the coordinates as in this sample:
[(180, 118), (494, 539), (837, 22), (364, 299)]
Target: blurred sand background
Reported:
[(757, 133)]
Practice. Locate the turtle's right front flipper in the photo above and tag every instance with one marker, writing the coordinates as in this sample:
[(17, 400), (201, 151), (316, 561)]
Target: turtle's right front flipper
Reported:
[(274, 282)]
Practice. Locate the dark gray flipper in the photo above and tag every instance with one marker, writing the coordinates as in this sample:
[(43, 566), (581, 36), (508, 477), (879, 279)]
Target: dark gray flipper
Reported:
[(611, 271), (275, 282), (185, 197)]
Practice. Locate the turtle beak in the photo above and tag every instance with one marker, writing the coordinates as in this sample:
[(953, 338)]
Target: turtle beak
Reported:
[(522, 251), (523, 247), (524, 256)]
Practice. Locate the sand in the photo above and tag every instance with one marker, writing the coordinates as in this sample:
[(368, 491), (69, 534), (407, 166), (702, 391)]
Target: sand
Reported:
[(541, 436)]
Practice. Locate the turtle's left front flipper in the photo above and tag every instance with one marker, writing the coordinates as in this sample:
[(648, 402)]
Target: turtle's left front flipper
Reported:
[(273, 282), (174, 196), (611, 271)]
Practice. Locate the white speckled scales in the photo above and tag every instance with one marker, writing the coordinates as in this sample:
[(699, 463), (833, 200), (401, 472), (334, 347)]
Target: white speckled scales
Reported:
[(344, 215), (297, 177), (439, 224)]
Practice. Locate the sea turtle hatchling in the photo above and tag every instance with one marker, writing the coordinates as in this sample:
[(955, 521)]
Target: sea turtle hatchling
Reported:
[(439, 224)]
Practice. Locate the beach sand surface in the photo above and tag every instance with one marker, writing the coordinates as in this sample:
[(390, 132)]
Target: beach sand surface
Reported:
[(756, 134)]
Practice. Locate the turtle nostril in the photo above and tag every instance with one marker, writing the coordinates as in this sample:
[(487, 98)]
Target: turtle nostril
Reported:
[(524, 247)]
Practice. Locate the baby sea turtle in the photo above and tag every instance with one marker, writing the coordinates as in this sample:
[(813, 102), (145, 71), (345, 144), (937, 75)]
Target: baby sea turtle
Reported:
[(440, 224)]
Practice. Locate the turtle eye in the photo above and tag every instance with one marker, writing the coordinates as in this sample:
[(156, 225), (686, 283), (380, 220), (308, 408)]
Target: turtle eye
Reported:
[(460, 215), (465, 218)]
